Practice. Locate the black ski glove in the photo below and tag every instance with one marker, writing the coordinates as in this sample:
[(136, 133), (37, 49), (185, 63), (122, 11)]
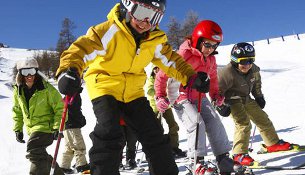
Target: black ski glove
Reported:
[(261, 101), (223, 110), (56, 134), (200, 82), (69, 82), (19, 136)]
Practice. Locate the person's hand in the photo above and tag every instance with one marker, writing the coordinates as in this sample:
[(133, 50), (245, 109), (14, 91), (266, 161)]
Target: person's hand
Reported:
[(200, 82), (19, 137), (69, 82), (56, 135), (162, 104), (218, 100), (261, 101), (224, 110)]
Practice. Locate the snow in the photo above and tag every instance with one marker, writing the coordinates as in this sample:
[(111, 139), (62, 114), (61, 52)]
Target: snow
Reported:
[(283, 72)]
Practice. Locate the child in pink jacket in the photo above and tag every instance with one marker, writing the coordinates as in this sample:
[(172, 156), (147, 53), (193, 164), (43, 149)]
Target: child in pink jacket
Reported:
[(199, 50)]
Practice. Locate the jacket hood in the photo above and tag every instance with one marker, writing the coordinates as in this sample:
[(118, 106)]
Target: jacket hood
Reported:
[(114, 15), (186, 45), (114, 12)]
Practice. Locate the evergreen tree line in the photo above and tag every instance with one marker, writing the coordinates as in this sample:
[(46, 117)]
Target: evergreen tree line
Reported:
[(48, 60)]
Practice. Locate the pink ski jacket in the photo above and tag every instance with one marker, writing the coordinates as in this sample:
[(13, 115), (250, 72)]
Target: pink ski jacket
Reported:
[(200, 64)]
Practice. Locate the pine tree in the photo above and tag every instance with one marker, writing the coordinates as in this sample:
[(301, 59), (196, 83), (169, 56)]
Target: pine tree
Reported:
[(174, 36), (177, 32), (66, 37), (189, 23)]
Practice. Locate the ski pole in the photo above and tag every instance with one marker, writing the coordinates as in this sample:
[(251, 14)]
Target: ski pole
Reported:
[(67, 101), (252, 138), (197, 132)]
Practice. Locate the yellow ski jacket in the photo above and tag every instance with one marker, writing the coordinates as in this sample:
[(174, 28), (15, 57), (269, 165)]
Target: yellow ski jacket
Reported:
[(115, 66)]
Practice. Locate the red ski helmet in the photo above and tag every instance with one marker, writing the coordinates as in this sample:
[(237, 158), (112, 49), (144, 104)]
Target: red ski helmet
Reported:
[(206, 29)]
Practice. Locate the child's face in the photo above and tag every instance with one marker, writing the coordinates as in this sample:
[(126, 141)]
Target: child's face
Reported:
[(156, 70), (29, 80), (244, 68), (140, 26), (208, 47)]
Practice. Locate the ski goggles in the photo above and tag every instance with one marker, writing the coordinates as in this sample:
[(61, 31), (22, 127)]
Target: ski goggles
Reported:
[(246, 60), (142, 12), (28, 71), (209, 45)]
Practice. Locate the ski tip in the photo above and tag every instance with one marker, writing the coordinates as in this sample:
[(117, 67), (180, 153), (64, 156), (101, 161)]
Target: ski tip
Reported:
[(254, 164)]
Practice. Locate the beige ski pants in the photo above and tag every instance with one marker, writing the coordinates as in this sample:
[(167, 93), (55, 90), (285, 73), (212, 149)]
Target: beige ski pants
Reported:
[(74, 147), (242, 114)]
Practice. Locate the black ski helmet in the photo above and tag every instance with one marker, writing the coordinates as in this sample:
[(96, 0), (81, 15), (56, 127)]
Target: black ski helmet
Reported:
[(154, 9), (242, 50)]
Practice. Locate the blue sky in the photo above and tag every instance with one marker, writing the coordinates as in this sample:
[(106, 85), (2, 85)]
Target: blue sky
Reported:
[(36, 23)]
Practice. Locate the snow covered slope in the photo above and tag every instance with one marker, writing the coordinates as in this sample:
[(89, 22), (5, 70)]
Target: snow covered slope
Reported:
[(283, 76)]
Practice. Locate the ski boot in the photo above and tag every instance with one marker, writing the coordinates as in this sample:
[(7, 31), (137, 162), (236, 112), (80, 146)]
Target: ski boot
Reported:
[(68, 170), (206, 168), (121, 166), (281, 145), (226, 165), (83, 169), (243, 159), (202, 168), (178, 153), (130, 164)]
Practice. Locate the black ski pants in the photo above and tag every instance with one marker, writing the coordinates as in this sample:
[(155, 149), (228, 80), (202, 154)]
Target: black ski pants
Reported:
[(108, 140), (131, 141), (37, 154)]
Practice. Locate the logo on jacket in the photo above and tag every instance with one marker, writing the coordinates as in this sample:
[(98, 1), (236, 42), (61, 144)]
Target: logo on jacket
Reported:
[(155, 4), (126, 3)]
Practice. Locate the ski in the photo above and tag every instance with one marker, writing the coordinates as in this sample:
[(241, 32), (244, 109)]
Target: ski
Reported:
[(294, 148), (257, 165), (81, 173), (137, 171), (78, 173)]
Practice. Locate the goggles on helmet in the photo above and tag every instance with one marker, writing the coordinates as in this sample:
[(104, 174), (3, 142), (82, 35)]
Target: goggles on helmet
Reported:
[(28, 71), (142, 12), (245, 60)]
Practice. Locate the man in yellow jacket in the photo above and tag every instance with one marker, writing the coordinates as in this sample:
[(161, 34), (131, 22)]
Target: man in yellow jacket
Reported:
[(115, 53)]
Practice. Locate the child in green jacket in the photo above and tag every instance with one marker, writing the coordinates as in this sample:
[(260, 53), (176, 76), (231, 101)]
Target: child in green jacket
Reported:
[(38, 106)]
